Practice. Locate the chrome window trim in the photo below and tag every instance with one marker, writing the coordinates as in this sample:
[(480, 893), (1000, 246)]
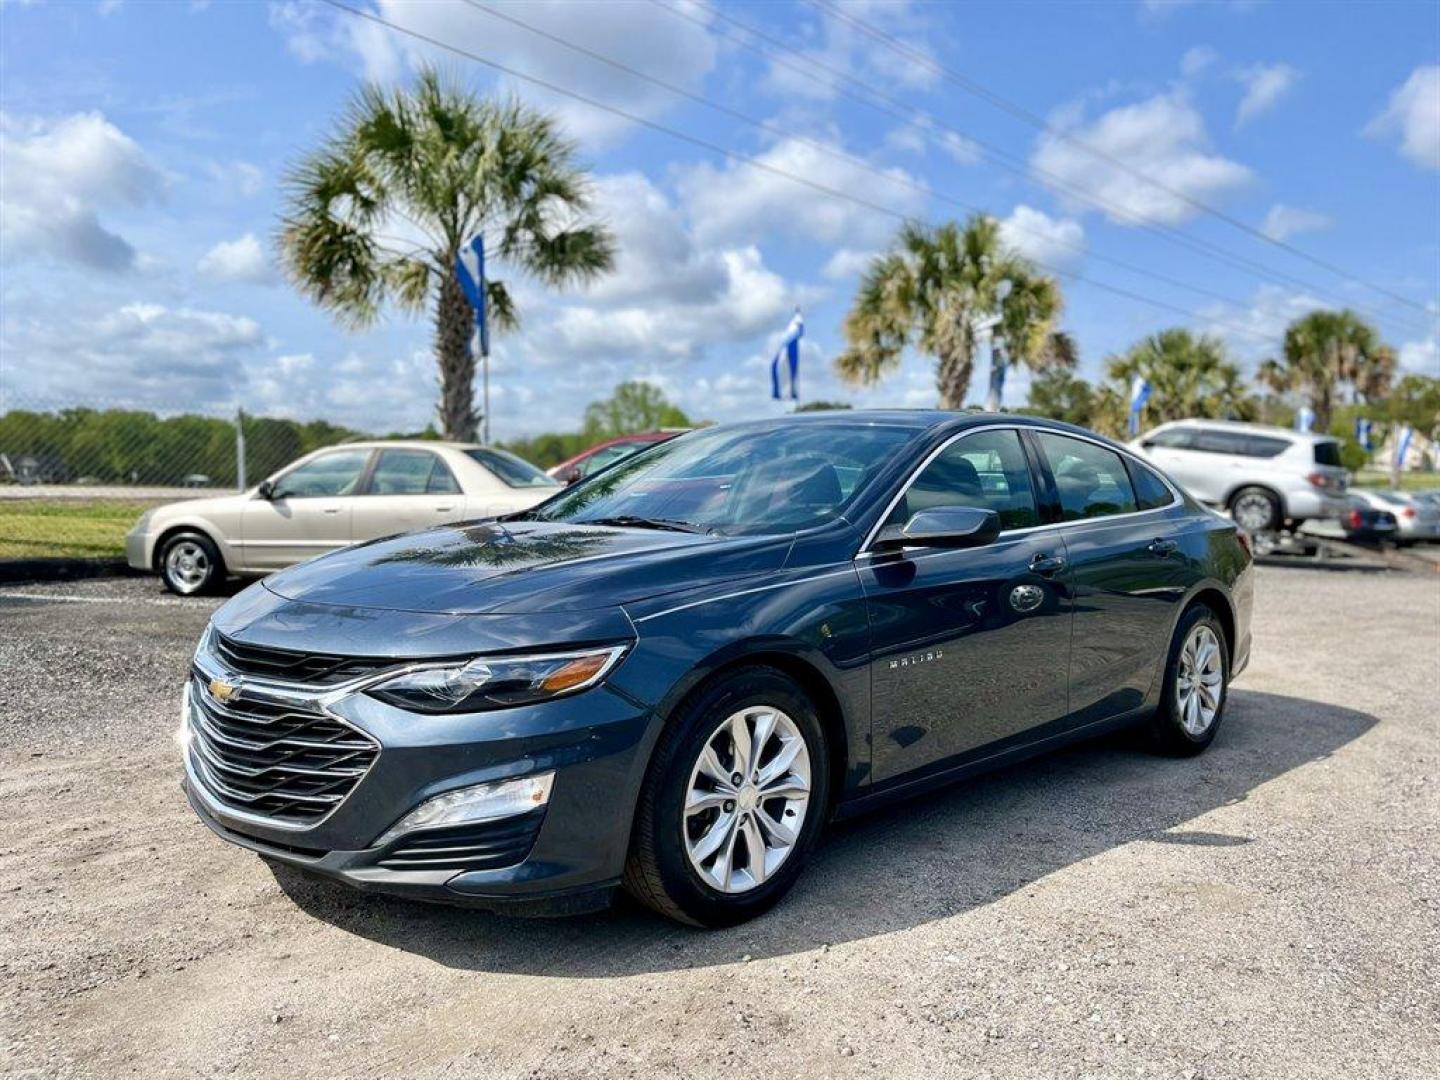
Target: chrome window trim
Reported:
[(866, 551)]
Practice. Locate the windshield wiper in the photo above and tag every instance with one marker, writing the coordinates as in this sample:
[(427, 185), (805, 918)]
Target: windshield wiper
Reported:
[(631, 521)]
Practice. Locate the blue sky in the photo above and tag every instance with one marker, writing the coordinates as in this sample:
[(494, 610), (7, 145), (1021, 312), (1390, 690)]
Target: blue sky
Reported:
[(144, 144)]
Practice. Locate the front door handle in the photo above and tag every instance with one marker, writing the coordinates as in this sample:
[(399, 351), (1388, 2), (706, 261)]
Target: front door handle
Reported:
[(1161, 547), (443, 509), (331, 510), (1046, 565)]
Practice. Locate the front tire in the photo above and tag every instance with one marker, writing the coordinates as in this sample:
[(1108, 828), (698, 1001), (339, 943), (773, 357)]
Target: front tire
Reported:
[(1197, 683), (733, 803), (190, 564)]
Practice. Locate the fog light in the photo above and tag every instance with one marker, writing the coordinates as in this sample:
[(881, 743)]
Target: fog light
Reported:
[(483, 802)]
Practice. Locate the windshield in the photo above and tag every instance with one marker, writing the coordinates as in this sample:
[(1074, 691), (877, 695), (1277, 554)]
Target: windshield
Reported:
[(736, 480), (514, 471)]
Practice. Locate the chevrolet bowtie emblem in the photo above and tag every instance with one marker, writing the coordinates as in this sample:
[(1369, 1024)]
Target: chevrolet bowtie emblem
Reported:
[(221, 690)]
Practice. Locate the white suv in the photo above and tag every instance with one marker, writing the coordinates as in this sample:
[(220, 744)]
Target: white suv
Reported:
[(1267, 477)]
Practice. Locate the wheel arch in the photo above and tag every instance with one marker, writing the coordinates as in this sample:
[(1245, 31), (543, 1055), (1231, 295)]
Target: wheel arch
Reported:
[(1217, 600), (794, 661), (180, 527)]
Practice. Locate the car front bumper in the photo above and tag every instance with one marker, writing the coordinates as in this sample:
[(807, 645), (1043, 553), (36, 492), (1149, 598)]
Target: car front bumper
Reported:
[(137, 549), (559, 859)]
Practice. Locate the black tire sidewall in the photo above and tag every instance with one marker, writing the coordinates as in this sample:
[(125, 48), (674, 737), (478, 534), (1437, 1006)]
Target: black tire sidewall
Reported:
[(682, 883), (1169, 732), (217, 566)]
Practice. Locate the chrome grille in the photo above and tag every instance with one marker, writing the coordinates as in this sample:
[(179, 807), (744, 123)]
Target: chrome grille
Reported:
[(274, 759)]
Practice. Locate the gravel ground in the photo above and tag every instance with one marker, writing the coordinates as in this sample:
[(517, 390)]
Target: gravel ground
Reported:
[(1271, 909)]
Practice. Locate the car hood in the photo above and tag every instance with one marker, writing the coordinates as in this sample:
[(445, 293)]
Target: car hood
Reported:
[(491, 566)]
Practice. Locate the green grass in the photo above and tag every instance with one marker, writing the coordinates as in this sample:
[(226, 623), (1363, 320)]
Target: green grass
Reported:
[(1410, 481), (75, 528)]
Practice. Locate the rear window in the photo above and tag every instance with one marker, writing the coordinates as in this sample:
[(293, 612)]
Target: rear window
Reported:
[(1265, 446), (514, 471), (1328, 453), (1150, 491)]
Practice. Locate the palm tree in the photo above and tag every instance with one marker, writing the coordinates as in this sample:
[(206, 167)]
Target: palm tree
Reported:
[(380, 212), (1325, 352), (1189, 376), (931, 290)]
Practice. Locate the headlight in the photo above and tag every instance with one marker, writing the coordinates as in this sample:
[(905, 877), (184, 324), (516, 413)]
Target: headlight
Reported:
[(497, 682)]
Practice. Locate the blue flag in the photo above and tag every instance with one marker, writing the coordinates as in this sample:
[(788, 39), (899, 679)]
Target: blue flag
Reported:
[(790, 350), (1402, 444), (1362, 433), (1305, 418), (1139, 395), (470, 273)]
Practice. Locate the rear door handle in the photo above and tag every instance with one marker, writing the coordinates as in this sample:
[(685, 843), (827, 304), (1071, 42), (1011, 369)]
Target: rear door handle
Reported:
[(1047, 564), (443, 509), (331, 510), (1161, 547)]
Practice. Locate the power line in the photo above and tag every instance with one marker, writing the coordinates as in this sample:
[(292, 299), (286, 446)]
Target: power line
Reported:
[(754, 162), (896, 108), (1019, 111), (840, 154)]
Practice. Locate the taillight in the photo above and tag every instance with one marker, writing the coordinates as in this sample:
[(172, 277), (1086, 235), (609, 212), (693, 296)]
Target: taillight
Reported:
[(1356, 521), (1408, 512), (1244, 538), (1319, 480)]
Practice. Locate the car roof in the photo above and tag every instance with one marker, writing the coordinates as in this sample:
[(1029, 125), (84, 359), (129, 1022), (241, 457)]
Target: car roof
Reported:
[(417, 444), (1248, 427)]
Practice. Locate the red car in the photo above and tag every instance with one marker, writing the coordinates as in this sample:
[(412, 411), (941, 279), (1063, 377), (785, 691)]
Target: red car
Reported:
[(607, 453)]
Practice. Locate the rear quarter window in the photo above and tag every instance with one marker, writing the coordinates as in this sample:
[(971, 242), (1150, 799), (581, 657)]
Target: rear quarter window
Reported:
[(1328, 453)]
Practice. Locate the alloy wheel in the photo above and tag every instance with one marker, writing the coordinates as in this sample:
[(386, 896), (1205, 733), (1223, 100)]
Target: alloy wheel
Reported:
[(187, 566), (1253, 512), (1200, 681), (747, 798)]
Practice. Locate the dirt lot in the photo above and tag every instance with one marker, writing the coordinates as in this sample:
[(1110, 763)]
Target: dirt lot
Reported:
[(1270, 909)]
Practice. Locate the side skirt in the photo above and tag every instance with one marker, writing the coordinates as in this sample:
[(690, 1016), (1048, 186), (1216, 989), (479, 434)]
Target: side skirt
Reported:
[(907, 789)]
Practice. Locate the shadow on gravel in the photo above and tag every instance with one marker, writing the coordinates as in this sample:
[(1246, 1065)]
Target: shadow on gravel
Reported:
[(936, 856)]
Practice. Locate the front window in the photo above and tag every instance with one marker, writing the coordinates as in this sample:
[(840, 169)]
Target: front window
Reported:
[(328, 475), (736, 480), (987, 470), (512, 471)]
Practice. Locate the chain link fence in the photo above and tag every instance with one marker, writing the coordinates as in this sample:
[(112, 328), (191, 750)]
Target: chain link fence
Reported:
[(74, 477)]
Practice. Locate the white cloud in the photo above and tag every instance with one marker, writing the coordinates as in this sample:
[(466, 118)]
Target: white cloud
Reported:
[(140, 353), (237, 179), (960, 148), (237, 261), (1197, 59), (1423, 356), (1283, 222), (1265, 85), (847, 262), (835, 44), (739, 202), (1258, 331), (59, 174), (1056, 242), (1163, 138), (1414, 113), (674, 50)]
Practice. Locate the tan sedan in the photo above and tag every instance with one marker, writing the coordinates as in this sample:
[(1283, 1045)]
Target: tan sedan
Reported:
[(333, 497)]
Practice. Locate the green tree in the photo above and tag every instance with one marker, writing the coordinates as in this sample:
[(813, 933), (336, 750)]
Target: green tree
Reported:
[(930, 291), (634, 406), (1325, 354), (1189, 375), (1060, 394), (380, 212), (823, 406)]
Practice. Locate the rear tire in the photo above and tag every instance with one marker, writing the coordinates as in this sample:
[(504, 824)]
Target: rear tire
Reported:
[(190, 564), (712, 850), (1255, 510), (1197, 685)]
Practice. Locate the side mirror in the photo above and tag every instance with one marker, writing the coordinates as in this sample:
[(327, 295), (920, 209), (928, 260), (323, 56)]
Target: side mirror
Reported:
[(266, 490), (1147, 444), (945, 527)]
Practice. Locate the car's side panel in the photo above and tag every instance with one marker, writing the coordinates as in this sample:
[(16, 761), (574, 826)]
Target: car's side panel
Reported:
[(969, 647)]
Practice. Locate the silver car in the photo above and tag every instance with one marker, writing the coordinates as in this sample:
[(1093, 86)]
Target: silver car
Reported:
[(1267, 477), (333, 497), (1418, 518)]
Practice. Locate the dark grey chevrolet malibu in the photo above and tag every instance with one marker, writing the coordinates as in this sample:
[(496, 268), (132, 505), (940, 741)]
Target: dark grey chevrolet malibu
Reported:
[(671, 675)]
